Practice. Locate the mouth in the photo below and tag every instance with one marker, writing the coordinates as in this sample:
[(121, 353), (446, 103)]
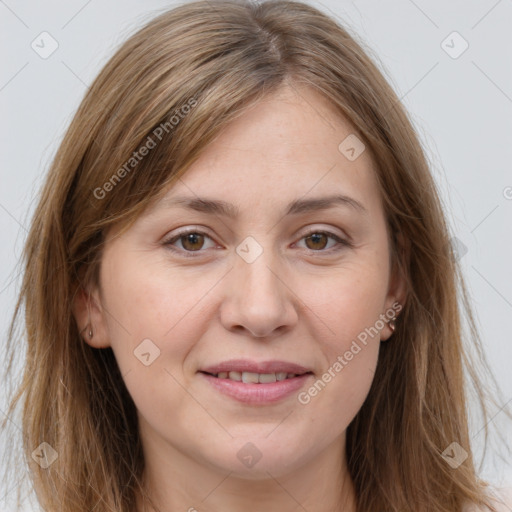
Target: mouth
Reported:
[(256, 383), (253, 372), (255, 378)]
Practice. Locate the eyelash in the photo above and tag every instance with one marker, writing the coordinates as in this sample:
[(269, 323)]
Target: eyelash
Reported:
[(194, 254)]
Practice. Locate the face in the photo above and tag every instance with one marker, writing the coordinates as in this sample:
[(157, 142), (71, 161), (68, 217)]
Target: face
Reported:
[(192, 298)]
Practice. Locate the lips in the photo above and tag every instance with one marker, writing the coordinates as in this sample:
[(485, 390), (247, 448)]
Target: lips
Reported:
[(261, 368), (256, 383), (254, 378)]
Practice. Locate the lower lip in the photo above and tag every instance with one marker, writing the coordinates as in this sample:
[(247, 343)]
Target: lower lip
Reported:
[(258, 393)]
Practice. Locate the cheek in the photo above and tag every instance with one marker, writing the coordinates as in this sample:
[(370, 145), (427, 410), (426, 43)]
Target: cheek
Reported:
[(148, 299), (347, 308), (154, 322), (150, 304), (350, 355), (348, 303)]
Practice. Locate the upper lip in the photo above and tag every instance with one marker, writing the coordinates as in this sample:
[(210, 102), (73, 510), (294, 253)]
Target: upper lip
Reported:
[(246, 365)]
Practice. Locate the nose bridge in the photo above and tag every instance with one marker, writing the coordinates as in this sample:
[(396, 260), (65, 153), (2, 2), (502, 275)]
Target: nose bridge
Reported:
[(259, 278), (259, 299)]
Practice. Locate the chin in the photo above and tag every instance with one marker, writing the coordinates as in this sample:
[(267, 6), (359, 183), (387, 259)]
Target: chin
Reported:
[(255, 457)]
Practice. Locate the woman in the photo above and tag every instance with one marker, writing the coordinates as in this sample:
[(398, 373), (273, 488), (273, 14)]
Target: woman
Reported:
[(240, 291)]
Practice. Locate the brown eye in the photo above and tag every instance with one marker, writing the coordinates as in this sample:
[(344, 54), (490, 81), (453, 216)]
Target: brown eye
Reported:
[(192, 241), (318, 241)]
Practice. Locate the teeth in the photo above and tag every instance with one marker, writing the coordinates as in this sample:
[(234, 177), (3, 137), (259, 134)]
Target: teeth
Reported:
[(250, 377), (255, 378), (267, 377)]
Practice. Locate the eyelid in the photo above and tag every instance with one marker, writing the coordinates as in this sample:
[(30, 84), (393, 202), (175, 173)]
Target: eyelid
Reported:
[(327, 230), (169, 240), (343, 241)]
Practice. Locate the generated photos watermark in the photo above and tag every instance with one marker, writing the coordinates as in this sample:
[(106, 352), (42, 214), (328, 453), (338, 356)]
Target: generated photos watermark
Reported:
[(304, 397), (150, 143)]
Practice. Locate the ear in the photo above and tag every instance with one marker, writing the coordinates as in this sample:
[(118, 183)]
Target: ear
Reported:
[(398, 285), (90, 316)]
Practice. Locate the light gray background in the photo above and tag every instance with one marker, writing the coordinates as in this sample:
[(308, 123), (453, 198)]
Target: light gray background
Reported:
[(461, 107)]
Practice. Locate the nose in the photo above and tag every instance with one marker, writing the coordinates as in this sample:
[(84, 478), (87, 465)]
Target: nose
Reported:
[(258, 298)]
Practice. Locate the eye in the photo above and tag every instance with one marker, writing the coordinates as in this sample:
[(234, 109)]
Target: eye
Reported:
[(191, 240), (317, 240)]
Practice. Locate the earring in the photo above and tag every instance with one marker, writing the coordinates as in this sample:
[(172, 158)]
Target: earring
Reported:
[(90, 330), (89, 324), (392, 326)]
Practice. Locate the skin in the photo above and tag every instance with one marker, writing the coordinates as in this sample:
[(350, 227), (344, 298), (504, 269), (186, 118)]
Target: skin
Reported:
[(299, 301)]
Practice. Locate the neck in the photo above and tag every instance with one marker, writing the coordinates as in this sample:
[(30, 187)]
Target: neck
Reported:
[(176, 482)]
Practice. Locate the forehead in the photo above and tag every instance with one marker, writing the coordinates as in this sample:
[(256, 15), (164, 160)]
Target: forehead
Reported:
[(289, 145)]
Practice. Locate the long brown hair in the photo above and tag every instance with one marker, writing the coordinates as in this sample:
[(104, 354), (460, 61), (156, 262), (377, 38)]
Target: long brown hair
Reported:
[(179, 81)]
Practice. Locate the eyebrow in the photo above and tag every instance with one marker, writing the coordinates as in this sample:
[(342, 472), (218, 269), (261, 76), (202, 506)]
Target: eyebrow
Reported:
[(299, 206)]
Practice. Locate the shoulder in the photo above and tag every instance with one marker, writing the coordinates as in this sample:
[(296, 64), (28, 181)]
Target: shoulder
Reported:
[(501, 499)]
